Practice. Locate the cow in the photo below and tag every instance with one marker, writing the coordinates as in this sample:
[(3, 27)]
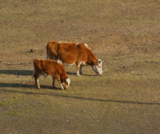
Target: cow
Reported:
[(51, 68), (71, 52)]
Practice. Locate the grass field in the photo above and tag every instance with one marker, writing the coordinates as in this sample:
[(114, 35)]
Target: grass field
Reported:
[(124, 100)]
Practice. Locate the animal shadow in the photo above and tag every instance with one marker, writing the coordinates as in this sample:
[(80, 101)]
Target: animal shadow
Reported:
[(17, 72), (17, 85)]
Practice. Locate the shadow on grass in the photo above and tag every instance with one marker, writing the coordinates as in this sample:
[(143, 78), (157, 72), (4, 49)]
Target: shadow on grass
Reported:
[(82, 74), (27, 72), (15, 85), (67, 96), (16, 72)]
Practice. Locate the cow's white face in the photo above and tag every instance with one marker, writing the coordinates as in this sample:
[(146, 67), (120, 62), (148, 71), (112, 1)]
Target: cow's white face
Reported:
[(66, 84), (98, 68)]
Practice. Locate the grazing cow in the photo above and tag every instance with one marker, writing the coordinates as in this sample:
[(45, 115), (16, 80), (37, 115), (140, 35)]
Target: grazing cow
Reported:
[(50, 67), (70, 53)]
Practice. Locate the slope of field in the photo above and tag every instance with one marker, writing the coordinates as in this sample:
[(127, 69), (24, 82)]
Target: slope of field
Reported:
[(124, 34)]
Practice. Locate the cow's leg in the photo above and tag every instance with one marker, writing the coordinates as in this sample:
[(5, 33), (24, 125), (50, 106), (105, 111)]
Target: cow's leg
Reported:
[(59, 81), (81, 70), (53, 81), (36, 77), (47, 56), (50, 56), (54, 58), (78, 65)]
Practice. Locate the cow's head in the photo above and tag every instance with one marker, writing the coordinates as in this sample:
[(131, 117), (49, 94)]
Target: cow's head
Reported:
[(98, 67), (65, 83)]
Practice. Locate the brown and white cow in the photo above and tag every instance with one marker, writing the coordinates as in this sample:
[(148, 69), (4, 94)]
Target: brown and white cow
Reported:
[(51, 68), (70, 53)]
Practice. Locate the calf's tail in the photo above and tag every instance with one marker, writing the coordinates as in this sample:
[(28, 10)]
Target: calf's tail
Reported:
[(35, 62), (47, 52), (34, 72)]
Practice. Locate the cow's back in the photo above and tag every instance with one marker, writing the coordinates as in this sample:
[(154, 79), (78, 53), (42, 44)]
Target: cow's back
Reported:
[(50, 67), (68, 52)]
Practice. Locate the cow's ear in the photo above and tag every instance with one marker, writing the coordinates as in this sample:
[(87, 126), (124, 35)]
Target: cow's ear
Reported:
[(79, 46)]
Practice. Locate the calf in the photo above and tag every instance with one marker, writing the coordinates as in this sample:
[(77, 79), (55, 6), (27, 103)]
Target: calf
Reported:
[(70, 53), (50, 67)]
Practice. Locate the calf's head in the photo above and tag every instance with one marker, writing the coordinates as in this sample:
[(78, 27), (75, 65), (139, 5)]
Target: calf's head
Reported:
[(97, 67), (65, 83)]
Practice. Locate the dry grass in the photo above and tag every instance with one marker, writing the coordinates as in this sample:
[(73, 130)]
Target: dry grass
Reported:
[(125, 35)]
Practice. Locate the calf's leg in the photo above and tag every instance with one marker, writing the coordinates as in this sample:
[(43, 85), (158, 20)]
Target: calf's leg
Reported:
[(53, 81), (36, 77), (59, 81)]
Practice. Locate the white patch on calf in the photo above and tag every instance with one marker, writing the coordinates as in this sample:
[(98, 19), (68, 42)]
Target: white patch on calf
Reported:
[(68, 81), (38, 80), (62, 87), (86, 45), (59, 62)]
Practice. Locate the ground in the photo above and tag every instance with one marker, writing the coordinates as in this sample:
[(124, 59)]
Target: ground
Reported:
[(124, 34)]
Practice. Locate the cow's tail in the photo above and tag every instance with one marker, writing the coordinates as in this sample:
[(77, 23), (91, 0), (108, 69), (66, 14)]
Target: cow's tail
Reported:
[(34, 72), (52, 50), (47, 56), (47, 52)]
